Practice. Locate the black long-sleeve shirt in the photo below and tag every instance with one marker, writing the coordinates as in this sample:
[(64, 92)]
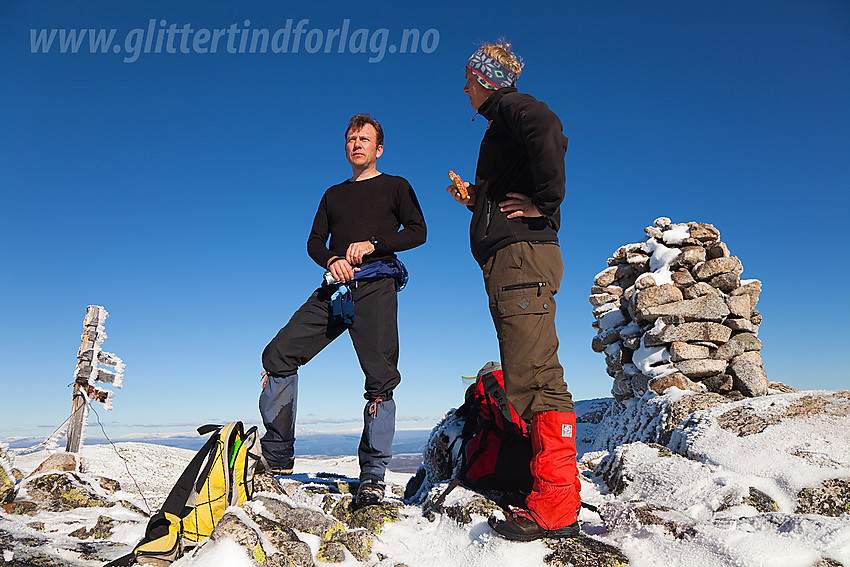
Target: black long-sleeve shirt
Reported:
[(355, 211), (522, 152)]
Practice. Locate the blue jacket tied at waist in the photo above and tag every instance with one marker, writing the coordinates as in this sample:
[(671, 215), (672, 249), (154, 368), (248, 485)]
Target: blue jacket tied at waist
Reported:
[(342, 302)]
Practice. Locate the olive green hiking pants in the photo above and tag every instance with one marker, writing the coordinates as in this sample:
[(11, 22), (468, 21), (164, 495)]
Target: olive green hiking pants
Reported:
[(521, 281)]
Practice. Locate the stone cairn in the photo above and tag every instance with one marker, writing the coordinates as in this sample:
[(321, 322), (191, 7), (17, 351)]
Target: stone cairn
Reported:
[(672, 310)]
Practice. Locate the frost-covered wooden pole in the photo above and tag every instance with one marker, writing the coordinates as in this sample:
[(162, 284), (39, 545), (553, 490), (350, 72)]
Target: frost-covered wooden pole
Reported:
[(90, 360)]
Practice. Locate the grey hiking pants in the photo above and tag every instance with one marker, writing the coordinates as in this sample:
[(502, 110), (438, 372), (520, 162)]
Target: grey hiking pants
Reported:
[(374, 335)]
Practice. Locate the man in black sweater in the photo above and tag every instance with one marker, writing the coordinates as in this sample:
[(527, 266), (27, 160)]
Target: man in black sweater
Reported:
[(362, 217), (515, 204)]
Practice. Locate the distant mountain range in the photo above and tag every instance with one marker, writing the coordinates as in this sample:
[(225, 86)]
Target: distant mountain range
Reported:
[(407, 445)]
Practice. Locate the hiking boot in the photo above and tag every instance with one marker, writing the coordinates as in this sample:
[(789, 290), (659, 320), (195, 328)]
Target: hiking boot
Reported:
[(369, 494), (519, 525), (275, 471)]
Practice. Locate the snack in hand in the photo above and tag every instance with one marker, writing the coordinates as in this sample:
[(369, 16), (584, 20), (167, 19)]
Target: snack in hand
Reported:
[(461, 188)]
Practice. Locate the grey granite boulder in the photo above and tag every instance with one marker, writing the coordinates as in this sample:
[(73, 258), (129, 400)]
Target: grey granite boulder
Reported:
[(657, 295), (688, 331), (706, 308), (749, 375)]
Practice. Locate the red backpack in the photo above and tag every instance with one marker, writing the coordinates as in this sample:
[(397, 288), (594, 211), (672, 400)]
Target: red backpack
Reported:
[(497, 447)]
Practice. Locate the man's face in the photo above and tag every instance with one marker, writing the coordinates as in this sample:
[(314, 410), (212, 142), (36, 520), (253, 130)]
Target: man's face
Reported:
[(361, 147), (476, 91)]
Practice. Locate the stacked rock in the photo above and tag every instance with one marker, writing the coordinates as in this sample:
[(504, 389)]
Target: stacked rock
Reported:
[(672, 310)]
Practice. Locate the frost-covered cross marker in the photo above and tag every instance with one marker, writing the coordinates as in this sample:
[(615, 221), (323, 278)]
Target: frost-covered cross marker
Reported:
[(93, 366)]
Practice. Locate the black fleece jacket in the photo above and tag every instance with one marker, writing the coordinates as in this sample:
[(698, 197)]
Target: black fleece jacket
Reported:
[(355, 211), (522, 151)]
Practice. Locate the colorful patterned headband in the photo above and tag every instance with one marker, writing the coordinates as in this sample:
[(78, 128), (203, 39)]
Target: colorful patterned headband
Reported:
[(489, 72)]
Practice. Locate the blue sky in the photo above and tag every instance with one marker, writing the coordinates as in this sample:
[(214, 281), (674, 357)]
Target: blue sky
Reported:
[(177, 190)]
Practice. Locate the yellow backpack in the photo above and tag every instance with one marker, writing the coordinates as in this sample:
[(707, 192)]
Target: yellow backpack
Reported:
[(220, 475)]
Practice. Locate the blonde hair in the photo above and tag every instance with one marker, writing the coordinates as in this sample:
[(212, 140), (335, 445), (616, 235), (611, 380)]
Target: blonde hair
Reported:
[(501, 52)]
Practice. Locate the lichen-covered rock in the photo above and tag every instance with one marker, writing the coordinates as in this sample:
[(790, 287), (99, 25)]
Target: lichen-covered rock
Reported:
[(108, 484), (618, 516), (295, 554), (266, 482), (374, 517), (584, 552), (132, 507), (744, 421), (61, 492), (307, 521), (331, 552), (7, 480), (343, 508), (21, 507), (761, 501), (462, 513), (623, 466), (79, 533), (7, 488), (275, 506), (278, 534), (750, 341), (101, 530), (827, 562), (232, 527), (358, 543), (36, 560), (831, 498), (728, 351)]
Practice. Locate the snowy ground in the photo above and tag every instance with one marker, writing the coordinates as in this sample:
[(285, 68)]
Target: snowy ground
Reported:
[(724, 467)]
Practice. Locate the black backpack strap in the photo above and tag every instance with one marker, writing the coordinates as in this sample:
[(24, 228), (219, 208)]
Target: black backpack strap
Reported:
[(179, 494), (123, 561), (495, 390), (208, 428)]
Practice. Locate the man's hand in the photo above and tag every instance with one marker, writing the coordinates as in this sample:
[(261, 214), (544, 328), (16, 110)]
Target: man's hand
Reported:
[(519, 205), (341, 270), (469, 201), (357, 251)]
